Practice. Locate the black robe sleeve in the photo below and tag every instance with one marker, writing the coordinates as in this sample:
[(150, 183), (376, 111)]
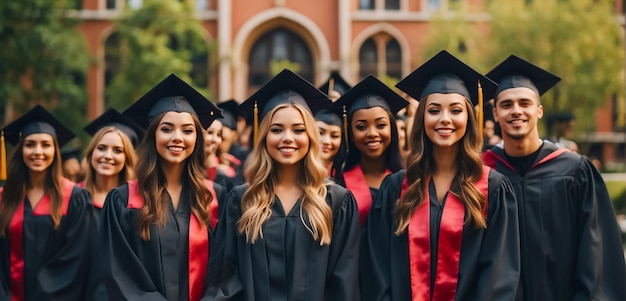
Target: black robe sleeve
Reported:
[(125, 276), (600, 272), (62, 276)]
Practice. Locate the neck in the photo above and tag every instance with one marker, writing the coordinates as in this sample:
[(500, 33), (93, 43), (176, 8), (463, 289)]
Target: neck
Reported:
[(172, 173), (106, 183), (212, 160), (521, 147), (376, 165), (288, 174), (445, 159), (37, 179)]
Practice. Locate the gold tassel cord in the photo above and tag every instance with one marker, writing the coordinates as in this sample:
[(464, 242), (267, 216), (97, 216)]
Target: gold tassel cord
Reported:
[(480, 110), (255, 122), (331, 85), (345, 125), (3, 159)]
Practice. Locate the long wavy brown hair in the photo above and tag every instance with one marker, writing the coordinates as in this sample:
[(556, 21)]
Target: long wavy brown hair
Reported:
[(421, 166), (18, 182), (260, 172), (128, 171), (151, 181)]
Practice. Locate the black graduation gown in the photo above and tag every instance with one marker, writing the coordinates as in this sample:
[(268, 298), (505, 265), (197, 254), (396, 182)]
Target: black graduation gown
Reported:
[(286, 264), (489, 258), (55, 261), (135, 269), (571, 246)]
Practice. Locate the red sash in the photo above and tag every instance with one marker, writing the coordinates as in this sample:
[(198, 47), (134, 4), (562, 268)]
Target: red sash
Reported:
[(449, 245), (198, 256), (356, 183), (16, 231)]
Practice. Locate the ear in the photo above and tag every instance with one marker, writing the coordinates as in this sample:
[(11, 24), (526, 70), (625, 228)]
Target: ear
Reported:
[(494, 113), (539, 111)]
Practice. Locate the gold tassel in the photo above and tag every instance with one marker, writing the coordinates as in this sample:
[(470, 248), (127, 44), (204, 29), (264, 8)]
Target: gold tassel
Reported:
[(345, 125), (480, 110), (3, 159), (331, 85), (255, 122)]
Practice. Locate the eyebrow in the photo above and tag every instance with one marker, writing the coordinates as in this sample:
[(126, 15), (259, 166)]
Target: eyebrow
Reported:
[(171, 124), (377, 119), (439, 105), (280, 124)]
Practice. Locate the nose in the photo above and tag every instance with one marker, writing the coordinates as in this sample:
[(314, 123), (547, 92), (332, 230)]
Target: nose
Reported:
[(445, 117), (288, 136), (325, 139), (177, 136), (108, 153), (372, 131)]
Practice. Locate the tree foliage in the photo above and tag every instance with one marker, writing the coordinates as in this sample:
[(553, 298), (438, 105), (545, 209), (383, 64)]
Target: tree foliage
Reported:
[(43, 59), (578, 40), (160, 38)]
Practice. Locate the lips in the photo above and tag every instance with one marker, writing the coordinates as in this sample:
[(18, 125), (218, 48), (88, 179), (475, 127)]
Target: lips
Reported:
[(176, 149), (286, 150)]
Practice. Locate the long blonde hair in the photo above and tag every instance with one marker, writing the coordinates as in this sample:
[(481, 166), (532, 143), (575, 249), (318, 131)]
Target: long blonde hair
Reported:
[(421, 166), (260, 172), (126, 174)]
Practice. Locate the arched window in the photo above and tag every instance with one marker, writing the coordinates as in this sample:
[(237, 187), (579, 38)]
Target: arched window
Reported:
[(277, 49), (368, 58), (394, 59), (380, 55), (199, 58)]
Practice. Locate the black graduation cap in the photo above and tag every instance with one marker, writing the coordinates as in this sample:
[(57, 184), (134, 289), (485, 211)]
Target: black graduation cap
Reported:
[(114, 118), (444, 73), (339, 84), (515, 72), (369, 92), (285, 87), (36, 121), (70, 153), (230, 113), (172, 95), (329, 117)]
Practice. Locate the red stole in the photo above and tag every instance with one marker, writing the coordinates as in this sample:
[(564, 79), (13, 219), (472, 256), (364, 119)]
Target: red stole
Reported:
[(16, 231), (449, 245), (356, 183), (198, 256)]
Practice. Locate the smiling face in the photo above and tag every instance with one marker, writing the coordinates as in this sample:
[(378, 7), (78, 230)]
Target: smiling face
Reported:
[(330, 136), (213, 137), (38, 152), (175, 137), (287, 140), (371, 131), (518, 110), (445, 119), (108, 157)]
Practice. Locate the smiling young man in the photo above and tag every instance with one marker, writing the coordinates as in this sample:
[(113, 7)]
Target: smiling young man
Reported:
[(570, 244)]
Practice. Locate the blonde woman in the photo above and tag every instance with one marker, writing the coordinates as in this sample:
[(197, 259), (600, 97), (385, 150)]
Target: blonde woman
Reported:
[(287, 235), (110, 153)]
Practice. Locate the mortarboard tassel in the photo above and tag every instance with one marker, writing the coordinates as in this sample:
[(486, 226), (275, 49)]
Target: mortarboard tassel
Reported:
[(480, 110), (3, 158), (255, 122), (331, 85), (345, 125)]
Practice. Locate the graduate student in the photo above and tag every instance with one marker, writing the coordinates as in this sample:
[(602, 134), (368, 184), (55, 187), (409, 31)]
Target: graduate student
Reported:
[(232, 154), (335, 86), (212, 140), (446, 228), (110, 154), (71, 168), (571, 247), (332, 139), (156, 229), (46, 221), (288, 234), (370, 107)]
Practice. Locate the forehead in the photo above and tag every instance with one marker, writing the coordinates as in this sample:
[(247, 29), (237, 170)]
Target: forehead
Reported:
[(177, 117), (517, 94), (287, 115), (39, 137), (369, 113), (111, 137), (445, 99)]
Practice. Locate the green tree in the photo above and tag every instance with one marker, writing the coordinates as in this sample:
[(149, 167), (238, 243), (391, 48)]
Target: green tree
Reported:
[(579, 40), (160, 38), (43, 59)]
